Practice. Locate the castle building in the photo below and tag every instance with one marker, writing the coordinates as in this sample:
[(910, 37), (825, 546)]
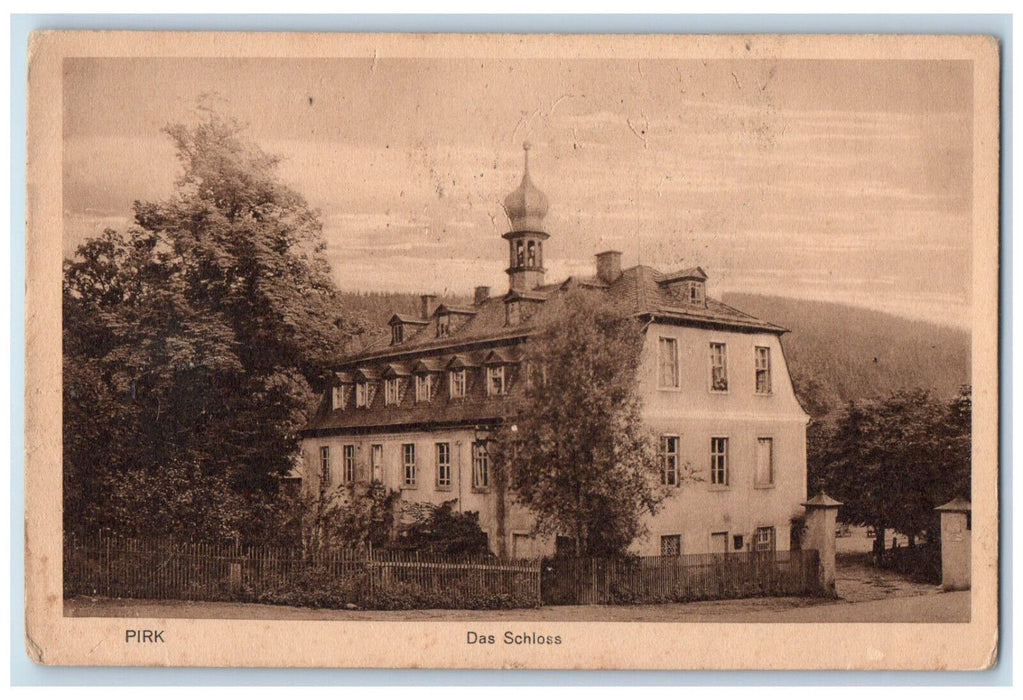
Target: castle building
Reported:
[(416, 414)]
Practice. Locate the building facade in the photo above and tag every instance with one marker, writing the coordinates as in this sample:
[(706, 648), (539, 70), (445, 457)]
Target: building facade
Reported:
[(415, 414)]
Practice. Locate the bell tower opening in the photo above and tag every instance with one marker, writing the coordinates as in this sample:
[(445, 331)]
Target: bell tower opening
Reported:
[(526, 208)]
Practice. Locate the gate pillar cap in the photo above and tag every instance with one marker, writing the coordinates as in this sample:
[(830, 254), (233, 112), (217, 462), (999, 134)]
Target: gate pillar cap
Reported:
[(956, 505), (822, 500)]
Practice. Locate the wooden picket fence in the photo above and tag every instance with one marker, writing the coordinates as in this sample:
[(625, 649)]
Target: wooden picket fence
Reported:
[(690, 577), (162, 569), (107, 566)]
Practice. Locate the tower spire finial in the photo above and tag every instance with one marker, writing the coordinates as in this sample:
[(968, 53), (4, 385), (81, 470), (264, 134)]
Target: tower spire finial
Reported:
[(526, 145)]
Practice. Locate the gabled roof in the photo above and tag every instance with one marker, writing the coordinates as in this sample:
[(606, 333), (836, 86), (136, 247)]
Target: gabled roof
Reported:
[(448, 309), (690, 273), (344, 378), (460, 361), (427, 364), (366, 374), (517, 295), (502, 356), (409, 320), (396, 369)]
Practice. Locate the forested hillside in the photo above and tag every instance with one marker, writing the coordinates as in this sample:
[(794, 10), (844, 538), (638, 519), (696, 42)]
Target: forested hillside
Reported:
[(838, 353)]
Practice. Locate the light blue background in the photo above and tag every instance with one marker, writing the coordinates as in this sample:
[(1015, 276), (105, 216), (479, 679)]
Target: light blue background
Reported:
[(24, 672)]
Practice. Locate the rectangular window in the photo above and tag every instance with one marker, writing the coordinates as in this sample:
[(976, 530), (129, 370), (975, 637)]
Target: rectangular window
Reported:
[(719, 461), (763, 360), (361, 394), (397, 334), (408, 463), (336, 398), (495, 380), (391, 391), (376, 463), (667, 353), (718, 367), (669, 460), (424, 387), (348, 463), (480, 465), (763, 539), (443, 325), (444, 465), (671, 545), (765, 462), (456, 380), (325, 465)]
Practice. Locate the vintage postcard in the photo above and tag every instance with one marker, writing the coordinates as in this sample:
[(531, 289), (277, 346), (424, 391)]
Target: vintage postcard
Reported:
[(493, 351)]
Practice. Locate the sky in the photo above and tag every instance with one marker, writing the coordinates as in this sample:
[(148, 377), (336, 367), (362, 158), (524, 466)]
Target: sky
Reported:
[(833, 180)]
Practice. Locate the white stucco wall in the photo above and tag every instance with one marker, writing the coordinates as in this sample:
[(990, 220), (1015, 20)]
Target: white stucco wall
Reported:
[(697, 508)]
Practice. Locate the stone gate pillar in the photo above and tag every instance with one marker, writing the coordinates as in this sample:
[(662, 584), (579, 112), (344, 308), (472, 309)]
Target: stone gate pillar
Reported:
[(955, 545), (821, 515)]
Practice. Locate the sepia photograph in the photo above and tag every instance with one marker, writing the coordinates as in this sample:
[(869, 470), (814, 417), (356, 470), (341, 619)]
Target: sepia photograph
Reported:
[(532, 352)]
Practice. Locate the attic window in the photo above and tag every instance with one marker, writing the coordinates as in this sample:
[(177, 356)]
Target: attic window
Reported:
[(443, 325), (397, 334), (694, 293), (337, 398), (514, 313)]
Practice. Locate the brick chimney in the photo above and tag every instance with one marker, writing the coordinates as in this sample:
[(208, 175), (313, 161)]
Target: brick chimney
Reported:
[(609, 266), (428, 305), (481, 295)]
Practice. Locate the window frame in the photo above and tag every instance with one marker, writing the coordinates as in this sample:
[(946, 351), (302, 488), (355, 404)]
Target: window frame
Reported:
[(757, 544), (677, 539), (408, 465), (480, 466), (348, 463), (376, 462), (443, 466), (424, 381), (462, 382), (719, 462), (666, 454), (766, 369), (397, 334), (676, 363), (492, 372), (324, 465), (392, 391), (723, 348), (362, 394), (337, 397), (757, 482)]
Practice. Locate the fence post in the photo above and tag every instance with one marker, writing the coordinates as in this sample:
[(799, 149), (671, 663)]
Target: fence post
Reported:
[(821, 514)]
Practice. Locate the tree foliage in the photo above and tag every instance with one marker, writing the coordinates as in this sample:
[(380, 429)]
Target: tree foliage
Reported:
[(577, 453), (440, 529), (892, 461), (192, 343)]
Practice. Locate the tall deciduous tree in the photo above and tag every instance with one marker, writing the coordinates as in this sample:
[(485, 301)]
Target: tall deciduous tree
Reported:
[(892, 461), (577, 453), (192, 342)]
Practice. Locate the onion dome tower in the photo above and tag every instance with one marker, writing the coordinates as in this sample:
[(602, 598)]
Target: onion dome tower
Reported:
[(526, 208)]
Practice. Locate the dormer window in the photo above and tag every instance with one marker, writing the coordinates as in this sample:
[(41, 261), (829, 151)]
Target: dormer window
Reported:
[(391, 391), (424, 387), (337, 398), (456, 383), (443, 325), (397, 334), (361, 394), (695, 293), (495, 381), (513, 313)]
